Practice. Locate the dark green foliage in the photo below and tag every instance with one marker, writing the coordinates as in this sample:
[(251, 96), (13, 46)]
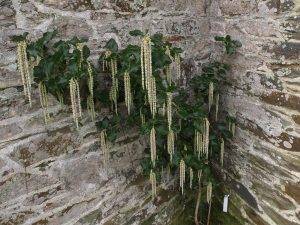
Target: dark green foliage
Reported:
[(60, 62), (230, 45)]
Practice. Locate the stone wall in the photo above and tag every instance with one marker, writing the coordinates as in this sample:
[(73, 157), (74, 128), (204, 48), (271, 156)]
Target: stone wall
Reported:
[(54, 174), (263, 92), (66, 182)]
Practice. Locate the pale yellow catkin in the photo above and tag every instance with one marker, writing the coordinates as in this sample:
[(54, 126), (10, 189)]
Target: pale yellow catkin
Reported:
[(205, 138), (169, 109), (153, 183), (146, 61), (23, 68), (191, 177), (75, 100), (233, 129), (152, 96), (168, 67), (105, 61), (90, 100), (142, 116), (104, 147), (170, 146), (128, 94), (182, 175), (198, 142), (178, 65), (199, 175), (210, 95), (209, 192), (153, 145), (79, 46), (222, 146), (44, 101), (114, 87), (91, 107), (217, 105)]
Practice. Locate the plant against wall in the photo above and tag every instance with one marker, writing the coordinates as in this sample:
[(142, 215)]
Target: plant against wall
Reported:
[(181, 121)]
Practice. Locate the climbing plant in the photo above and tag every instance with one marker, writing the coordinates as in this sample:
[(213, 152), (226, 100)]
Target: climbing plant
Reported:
[(180, 120)]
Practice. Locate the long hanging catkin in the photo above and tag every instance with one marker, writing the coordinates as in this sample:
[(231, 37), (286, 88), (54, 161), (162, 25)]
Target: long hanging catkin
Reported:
[(152, 96), (44, 101), (217, 105), (23, 68), (75, 100), (168, 67), (191, 177), (105, 64), (210, 95), (169, 109), (198, 139), (146, 61), (90, 100), (104, 147), (199, 174), (114, 87), (153, 145), (182, 175), (209, 192), (205, 138), (128, 94), (171, 140), (79, 46), (178, 66), (222, 152), (153, 183)]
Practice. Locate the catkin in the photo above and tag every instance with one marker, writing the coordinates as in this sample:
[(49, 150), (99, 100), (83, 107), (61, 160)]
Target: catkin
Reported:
[(153, 145), (23, 68), (169, 109), (105, 61), (182, 175), (44, 101), (114, 87), (91, 107), (222, 152), (104, 147), (233, 129), (171, 141), (191, 177), (146, 61), (178, 65), (128, 94), (152, 96), (79, 46), (142, 116), (205, 139), (209, 192), (75, 100), (90, 100), (199, 175), (153, 183), (168, 67), (210, 95), (217, 105), (198, 143)]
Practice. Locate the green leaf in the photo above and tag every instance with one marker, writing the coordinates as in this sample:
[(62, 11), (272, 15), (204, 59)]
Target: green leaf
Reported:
[(219, 38), (136, 33), (112, 45), (17, 38), (238, 44), (85, 52)]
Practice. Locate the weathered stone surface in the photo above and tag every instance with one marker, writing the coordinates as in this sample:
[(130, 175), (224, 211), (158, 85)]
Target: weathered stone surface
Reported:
[(55, 175)]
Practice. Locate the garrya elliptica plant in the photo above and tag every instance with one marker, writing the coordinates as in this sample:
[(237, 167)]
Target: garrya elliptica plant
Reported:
[(61, 68), (181, 121)]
